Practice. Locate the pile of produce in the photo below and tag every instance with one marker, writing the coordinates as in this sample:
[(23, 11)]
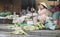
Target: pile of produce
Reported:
[(25, 23), (40, 25), (19, 28)]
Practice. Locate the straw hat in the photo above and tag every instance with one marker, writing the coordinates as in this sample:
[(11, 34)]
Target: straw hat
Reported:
[(43, 4)]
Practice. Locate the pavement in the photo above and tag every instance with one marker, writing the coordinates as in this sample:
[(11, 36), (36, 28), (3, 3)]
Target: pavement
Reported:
[(5, 32)]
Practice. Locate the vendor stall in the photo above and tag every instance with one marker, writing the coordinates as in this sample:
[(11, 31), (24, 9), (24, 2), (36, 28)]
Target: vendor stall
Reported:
[(24, 16)]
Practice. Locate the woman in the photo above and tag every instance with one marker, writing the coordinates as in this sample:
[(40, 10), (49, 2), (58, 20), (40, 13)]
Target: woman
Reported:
[(43, 13)]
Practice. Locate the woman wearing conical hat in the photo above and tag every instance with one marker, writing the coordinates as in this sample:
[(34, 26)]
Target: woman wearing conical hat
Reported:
[(43, 12)]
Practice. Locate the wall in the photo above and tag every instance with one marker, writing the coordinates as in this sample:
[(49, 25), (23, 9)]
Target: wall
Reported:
[(48, 2), (1, 6), (17, 3)]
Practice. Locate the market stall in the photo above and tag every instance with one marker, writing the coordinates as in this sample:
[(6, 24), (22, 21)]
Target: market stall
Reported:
[(27, 20)]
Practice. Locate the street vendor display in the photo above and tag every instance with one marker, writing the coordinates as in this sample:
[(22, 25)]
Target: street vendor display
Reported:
[(29, 22)]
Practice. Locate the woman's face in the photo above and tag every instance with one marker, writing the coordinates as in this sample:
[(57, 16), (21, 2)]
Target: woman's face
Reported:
[(41, 6)]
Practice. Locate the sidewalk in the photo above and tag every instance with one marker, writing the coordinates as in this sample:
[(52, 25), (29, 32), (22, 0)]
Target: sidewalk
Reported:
[(4, 32)]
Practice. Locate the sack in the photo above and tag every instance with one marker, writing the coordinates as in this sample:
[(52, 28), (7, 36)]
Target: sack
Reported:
[(50, 24)]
